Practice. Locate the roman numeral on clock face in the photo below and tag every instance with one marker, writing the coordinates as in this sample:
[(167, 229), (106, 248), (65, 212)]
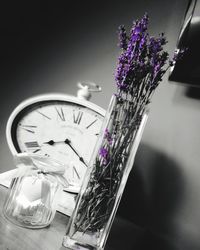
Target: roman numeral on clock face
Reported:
[(32, 144), (77, 117), (91, 123), (43, 115), (28, 128), (60, 113)]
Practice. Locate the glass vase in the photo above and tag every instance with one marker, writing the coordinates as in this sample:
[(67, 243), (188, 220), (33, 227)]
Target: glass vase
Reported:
[(106, 176), (34, 191)]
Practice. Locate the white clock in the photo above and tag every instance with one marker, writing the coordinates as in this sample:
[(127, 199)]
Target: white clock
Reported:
[(62, 127)]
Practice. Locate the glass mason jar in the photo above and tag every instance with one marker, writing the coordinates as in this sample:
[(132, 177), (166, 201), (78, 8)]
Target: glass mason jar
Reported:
[(34, 192), (106, 176)]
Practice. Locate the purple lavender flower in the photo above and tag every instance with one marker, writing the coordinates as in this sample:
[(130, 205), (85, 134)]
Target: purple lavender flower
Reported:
[(139, 27), (133, 53), (155, 49), (156, 44), (121, 72), (108, 136), (142, 59), (103, 152), (122, 37), (156, 69), (143, 42)]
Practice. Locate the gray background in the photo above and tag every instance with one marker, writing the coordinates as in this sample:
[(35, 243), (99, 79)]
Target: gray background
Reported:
[(50, 47)]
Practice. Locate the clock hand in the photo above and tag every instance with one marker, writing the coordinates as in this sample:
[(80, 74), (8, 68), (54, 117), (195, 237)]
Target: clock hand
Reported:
[(52, 142), (68, 142)]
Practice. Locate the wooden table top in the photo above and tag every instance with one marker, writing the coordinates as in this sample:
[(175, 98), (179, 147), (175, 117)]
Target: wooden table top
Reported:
[(13, 237), (124, 234)]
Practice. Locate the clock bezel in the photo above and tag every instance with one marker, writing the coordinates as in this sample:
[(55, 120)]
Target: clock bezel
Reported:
[(29, 103)]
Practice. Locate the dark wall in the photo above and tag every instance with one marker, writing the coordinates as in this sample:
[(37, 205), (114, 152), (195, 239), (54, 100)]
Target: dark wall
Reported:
[(50, 47)]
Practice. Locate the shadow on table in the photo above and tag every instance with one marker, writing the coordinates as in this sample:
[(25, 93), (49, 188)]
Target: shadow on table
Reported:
[(153, 194)]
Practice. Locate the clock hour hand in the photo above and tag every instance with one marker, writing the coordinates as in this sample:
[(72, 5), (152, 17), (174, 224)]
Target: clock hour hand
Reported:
[(68, 142), (52, 142)]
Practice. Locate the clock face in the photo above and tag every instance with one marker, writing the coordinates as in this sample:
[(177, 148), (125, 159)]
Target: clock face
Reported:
[(64, 131)]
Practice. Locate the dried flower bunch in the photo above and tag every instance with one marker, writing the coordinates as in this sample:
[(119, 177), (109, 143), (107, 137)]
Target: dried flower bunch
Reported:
[(141, 66), (142, 59)]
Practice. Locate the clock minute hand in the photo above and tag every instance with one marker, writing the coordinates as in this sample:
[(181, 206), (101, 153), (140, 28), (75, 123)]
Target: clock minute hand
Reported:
[(68, 142)]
